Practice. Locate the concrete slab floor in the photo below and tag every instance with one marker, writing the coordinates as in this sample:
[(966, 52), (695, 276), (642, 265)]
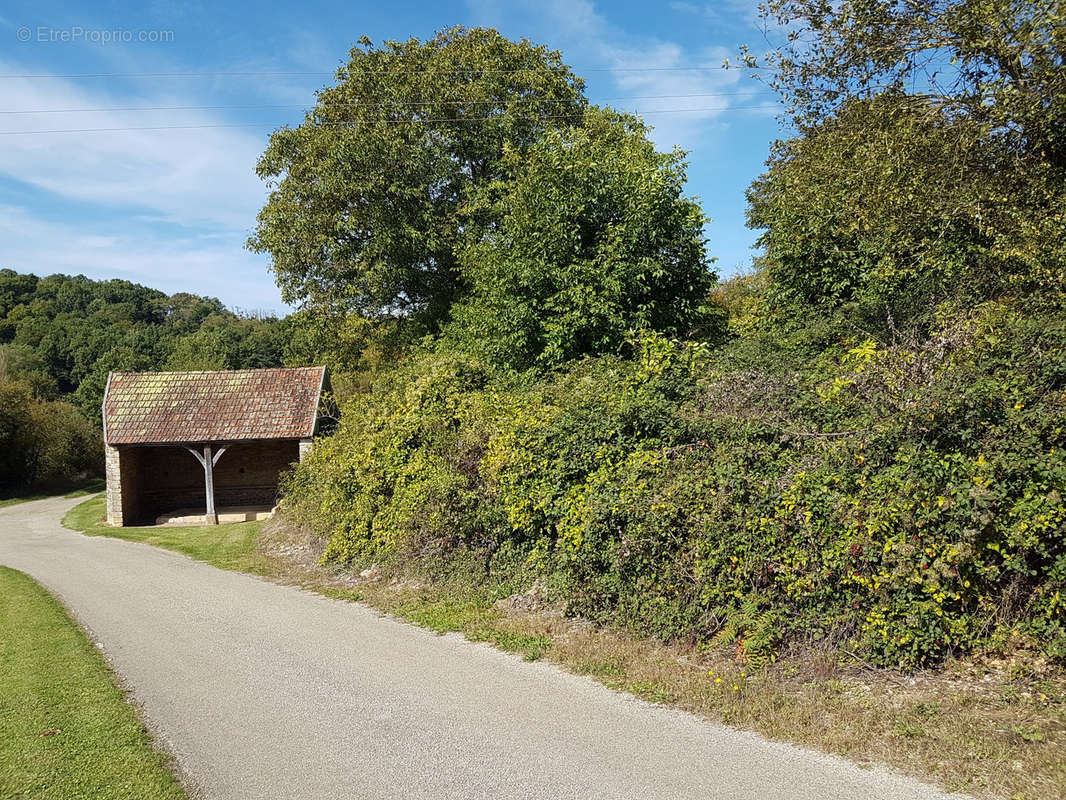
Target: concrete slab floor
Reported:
[(226, 514)]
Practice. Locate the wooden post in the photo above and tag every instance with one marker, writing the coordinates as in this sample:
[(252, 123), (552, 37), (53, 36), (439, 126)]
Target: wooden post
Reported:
[(208, 461), (209, 484)]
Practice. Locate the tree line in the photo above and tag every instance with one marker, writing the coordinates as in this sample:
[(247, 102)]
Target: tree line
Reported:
[(60, 335)]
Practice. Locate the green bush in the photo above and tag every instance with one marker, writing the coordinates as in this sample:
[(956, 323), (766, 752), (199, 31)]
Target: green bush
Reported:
[(400, 474), (595, 237), (905, 501), (43, 443)]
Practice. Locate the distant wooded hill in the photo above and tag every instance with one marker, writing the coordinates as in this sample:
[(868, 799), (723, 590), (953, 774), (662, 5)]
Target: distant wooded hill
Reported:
[(61, 335)]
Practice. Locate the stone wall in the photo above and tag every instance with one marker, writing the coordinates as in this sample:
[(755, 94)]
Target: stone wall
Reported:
[(113, 476), (124, 475)]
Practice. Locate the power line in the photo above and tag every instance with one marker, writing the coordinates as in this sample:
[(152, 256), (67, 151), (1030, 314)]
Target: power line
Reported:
[(314, 73), (71, 76), (391, 104), (374, 122)]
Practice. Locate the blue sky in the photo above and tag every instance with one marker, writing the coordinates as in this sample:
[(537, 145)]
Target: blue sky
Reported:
[(172, 207)]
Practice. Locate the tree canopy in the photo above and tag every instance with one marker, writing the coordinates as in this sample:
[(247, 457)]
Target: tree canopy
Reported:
[(371, 194), (464, 185), (595, 238), (930, 160), (60, 335)]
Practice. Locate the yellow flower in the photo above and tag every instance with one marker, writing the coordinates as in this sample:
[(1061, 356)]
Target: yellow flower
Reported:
[(736, 688), (717, 680)]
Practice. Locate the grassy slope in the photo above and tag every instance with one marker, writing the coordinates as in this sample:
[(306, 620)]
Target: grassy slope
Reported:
[(65, 729), (1000, 738)]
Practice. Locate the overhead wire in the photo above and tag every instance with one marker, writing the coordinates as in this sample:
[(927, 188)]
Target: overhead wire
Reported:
[(313, 73), (389, 104), (353, 123)]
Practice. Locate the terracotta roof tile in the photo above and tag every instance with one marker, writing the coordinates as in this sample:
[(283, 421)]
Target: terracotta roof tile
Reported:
[(230, 405)]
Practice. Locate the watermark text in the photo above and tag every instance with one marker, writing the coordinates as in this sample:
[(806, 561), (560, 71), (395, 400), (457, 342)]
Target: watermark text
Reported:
[(48, 34)]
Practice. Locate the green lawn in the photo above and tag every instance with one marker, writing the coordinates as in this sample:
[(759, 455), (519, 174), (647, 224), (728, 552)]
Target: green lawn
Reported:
[(65, 729), (89, 488), (229, 546)]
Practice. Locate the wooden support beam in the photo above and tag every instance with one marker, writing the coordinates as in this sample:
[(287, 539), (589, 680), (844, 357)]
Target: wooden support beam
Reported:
[(207, 461), (211, 517)]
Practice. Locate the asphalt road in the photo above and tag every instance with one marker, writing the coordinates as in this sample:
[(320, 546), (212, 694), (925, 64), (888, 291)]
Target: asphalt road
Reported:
[(267, 692)]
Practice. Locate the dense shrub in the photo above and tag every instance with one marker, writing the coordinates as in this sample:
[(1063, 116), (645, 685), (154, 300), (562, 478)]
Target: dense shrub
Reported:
[(43, 443), (400, 474), (905, 499)]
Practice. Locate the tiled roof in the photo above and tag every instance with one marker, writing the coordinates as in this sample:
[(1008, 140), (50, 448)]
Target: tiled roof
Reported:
[(225, 406)]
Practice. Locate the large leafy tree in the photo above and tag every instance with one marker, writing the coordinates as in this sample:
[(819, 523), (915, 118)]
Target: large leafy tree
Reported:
[(930, 158), (368, 200), (998, 62), (595, 237)]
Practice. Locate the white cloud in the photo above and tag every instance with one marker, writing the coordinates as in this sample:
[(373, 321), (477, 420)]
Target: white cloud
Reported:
[(694, 94), (192, 176), (210, 264), (169, 208)]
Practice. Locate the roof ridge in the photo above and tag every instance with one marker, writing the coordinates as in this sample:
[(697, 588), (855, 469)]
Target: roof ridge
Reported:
[(215, 371)]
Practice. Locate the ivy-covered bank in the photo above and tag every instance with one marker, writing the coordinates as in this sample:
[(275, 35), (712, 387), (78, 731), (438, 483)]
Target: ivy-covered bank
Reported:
[(902, 501)]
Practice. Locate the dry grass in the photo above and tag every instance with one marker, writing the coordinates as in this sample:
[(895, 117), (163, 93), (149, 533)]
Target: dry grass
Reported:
[(1001, 734)]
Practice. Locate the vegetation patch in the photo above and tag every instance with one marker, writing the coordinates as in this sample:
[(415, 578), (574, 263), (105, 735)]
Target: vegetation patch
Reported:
[(65, 729), (860, 447), (690, 494)]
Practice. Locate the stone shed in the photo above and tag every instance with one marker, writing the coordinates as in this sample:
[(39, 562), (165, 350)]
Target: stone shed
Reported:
[(204, 441)]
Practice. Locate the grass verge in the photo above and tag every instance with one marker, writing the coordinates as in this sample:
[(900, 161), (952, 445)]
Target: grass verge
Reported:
[(225, 546), (65, 729), (991, 726)]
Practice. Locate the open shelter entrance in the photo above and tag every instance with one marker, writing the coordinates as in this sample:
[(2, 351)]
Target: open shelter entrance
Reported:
[(200, 442)]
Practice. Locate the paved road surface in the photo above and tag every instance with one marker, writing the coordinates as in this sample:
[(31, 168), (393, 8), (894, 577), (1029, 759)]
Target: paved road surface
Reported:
[(267, 692)]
